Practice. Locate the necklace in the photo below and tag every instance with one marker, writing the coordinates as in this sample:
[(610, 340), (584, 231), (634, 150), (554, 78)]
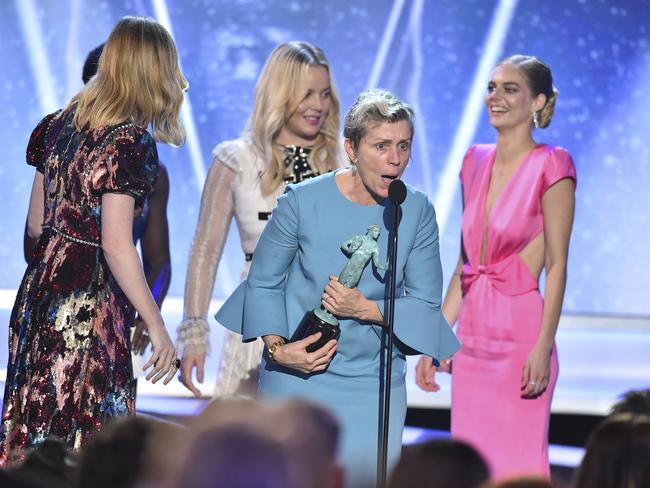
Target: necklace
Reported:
[(296, 163)]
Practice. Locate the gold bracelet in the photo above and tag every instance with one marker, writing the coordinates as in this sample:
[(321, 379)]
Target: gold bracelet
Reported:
[(272, 348)]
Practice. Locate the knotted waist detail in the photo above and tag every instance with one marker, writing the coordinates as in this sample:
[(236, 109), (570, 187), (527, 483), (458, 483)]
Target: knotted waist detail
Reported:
[(68, 237), (510, 276)]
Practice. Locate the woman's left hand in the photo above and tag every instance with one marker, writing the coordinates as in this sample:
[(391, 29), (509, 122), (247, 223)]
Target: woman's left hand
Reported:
[(536, 372), (343, 301), (140, 337)]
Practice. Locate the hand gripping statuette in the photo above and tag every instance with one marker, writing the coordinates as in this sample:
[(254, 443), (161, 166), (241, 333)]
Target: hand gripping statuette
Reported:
[(361, 249)]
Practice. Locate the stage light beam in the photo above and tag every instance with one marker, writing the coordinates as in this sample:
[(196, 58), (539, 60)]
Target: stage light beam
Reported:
[(385, 43), (38, 59), (187, 115), (492, 49)]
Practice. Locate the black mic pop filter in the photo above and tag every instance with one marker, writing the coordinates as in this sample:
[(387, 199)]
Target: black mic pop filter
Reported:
[(397, 192)]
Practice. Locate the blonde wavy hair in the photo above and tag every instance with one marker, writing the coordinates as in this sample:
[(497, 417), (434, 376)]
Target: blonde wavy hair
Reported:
[(279, 90), (138, 79)]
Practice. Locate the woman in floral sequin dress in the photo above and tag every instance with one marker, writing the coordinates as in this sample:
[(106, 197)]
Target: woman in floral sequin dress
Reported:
[(69, 367)]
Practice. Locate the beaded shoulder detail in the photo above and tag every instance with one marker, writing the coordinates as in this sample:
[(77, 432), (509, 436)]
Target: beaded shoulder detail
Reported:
[(112, 132), (296, 162)]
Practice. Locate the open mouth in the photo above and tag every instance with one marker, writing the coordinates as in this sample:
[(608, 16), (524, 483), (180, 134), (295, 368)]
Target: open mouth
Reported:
[(389, 178)]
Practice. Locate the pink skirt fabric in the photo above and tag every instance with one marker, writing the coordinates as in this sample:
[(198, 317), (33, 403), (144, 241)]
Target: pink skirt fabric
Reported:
[(497, 333)]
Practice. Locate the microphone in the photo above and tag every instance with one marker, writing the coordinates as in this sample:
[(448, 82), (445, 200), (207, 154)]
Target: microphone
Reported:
[(397, 195), (397, 192)]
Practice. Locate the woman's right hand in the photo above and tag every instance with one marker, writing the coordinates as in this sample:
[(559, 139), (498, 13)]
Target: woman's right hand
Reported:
[(294, 355), (163, 355), (188, 363), (425, 373)]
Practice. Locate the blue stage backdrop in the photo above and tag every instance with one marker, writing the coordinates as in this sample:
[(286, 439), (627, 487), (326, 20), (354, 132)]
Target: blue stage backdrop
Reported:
[(435, 54)]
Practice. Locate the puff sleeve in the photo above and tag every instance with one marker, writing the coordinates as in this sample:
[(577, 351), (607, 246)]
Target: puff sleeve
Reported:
[(127, 163), (227, 153), (37, 148), (419, 323), (558, 165)]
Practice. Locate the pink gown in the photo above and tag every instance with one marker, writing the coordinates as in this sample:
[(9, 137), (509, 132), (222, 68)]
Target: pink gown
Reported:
[(501, 314)]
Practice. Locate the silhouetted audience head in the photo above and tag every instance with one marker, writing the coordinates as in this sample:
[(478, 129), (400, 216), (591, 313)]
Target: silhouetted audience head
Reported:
[(230, 409), (521, 482), (117, 455), (235, 455), (635, 402), (50, 464), (310, 434), (440, 463), (617, 454), (8, 480)]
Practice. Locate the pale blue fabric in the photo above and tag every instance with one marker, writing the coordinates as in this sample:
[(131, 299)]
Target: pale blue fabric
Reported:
[(298, 250)]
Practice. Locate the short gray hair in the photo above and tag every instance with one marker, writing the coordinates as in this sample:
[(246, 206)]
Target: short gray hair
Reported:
[(374, 106)]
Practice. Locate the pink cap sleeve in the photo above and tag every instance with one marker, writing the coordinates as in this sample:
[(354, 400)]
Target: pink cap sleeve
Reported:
[(558, 166), (467, 169)]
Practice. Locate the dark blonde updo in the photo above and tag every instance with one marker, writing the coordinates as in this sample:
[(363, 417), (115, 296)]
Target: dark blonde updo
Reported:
[(540, 80)]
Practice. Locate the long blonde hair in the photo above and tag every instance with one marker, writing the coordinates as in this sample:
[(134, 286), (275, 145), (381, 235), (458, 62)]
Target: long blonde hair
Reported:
[(279, 90), (138, 79)]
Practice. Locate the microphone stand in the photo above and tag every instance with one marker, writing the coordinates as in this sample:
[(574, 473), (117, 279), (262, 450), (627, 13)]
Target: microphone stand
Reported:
[(396, 197)]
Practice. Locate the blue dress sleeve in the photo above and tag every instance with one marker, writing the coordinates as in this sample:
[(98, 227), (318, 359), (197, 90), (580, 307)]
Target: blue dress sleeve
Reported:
[(420, 326), (257, 307)]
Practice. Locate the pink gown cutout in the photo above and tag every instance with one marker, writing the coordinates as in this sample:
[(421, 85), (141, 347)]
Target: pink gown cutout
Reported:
[(501, 314)]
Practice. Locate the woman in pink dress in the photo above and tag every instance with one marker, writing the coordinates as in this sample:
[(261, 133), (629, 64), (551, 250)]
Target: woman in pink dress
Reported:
[(518, 199)]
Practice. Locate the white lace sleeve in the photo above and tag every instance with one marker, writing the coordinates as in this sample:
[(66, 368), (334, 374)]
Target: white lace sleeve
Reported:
[(207, 246)]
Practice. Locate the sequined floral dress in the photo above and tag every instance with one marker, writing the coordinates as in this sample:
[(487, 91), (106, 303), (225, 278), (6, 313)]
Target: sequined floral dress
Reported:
[(69, 368)]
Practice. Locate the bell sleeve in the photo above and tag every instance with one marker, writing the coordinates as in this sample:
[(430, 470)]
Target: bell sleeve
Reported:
[(257, 307), (420, 326)]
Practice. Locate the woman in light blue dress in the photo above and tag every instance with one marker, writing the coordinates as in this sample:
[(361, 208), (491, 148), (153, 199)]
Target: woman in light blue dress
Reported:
[(293, 271)]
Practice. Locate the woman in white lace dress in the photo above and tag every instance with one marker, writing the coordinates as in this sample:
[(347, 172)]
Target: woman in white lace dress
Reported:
[(292, 135)]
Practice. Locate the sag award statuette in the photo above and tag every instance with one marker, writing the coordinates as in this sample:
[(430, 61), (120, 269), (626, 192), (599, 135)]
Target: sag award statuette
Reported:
[(361, 249)]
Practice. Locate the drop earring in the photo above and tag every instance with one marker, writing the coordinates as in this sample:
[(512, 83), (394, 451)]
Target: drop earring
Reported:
[(535, 120)]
